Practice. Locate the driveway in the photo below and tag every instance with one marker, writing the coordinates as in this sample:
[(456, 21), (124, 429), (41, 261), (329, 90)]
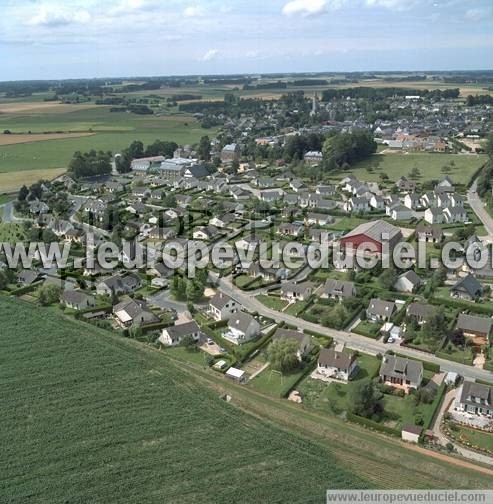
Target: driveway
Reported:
[(163, 300)]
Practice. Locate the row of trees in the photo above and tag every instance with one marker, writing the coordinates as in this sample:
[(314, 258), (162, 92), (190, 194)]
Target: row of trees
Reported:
[(344, 149), (90, 164)]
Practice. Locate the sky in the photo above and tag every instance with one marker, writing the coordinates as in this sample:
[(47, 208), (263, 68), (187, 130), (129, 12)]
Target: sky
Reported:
[(55, 39)]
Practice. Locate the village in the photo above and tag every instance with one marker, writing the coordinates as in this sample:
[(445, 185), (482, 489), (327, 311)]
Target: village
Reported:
[(406, 352)]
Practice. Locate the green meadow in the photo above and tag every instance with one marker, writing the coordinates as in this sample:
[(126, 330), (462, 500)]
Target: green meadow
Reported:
[(112, 131)]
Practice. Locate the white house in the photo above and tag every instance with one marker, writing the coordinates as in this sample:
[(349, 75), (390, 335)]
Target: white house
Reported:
[(452, 215), (221, 307), (434, 215), (336, 363), (408, 282), (401, 213), (242, 327), (174, 335)]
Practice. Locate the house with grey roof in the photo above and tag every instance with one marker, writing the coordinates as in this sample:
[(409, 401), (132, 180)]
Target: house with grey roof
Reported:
[(467, 288), (379, 310), (242, 327), (118, 284), (77, 300), (133, 312), (222, 307), (303, 340), (336, 363), (174, 335), (293, 291), (338, 289), (420, 312), (474, 326), (408, 282), (401, 373), (475, 398)]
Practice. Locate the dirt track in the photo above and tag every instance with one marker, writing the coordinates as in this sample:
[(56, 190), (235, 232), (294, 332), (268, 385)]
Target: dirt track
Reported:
[(14, 139)]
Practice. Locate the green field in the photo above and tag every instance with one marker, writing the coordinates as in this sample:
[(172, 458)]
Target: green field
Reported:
[(430, 166), (88, 417), (113, 131)]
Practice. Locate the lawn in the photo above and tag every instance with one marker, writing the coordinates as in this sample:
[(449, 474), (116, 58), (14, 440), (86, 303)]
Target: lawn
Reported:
[(90, 417), (473, 437), (333, 396), (113, 131), (430, 165), (274, 383), (274, 302), (368, 329), (11, 232)]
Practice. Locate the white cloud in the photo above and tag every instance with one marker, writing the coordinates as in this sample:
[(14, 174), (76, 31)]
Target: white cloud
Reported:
[(477, 14), (132, 7), (210, 55), (304, 7), (54, 17), (251, 54), (194, 11), (392, 4)]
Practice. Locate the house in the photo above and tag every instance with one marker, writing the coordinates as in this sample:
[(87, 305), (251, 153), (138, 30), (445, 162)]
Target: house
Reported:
[(408, 282), (420, 312), (297, 185), (380, 310), (475, 398), (318, 219), (411, 433), (456, 200), (467, 288), (403, 184), (401, 373), (221, 307), (452, 215), (264, 182), (271, 196), (377, 202), (27, 277), (290, 199), (267, 274), (136, 208), (141, 193), (356, 204), (303, 340), (474, 326), (196, 172), (205, 233), (290, 229), (223, 221), (336, 363), (174, 335), (338, 289), (118, 284), (292, 291), (230, 152), (77, 300), (412, 201), (401, 213), (325, 190), (446, 184), (242, 327), (434, 215), (174, 169), (133, 312), (377, 232), (313, 157), (429, 234)]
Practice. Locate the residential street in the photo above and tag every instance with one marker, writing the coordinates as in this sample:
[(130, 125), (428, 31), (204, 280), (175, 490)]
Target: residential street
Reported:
[(479, 209), (352, 340)]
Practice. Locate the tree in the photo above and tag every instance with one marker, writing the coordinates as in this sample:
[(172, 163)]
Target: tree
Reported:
[(194, 290), (489, 146), (123, 163), (188, 342), (49, 294), (415, 173), (23, 193), (366, 399), (178, 287), (386, 279), (136, 149), (48, 236), (282, 354), (204, 150)]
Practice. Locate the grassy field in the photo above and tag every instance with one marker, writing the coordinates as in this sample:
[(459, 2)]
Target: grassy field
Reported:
[(473, 437), (11, 233), (430, 166), (113, 131), (88, 417)]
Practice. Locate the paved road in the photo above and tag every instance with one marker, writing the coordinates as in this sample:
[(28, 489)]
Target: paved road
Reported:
[(479, 209), (352, 340)]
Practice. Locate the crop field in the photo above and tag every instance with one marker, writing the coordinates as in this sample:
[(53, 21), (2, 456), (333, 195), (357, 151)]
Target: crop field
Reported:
[(430, 165), (112, 131), (88, 417)]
